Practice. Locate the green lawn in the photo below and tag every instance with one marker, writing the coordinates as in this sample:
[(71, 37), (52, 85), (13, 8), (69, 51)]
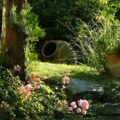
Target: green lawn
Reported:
[(57, 71)]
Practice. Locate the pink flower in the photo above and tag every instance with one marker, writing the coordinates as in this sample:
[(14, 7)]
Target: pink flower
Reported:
[(17, 68), (34, 79), (21, 90), (63, 86), (28, 87), (66, 80), (83, 104), (63, 103), (27, 96), (73, 105), (84, 112), (78, 110), (70, 109)]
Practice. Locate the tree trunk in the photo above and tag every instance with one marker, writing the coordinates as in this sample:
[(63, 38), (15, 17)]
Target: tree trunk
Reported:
[(13, 38)]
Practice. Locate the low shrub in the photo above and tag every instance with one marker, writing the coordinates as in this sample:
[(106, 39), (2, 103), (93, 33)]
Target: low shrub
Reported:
[(20, 101), (34, 99)]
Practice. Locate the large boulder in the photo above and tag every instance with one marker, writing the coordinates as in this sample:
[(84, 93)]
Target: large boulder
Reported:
[(85, 89), (78, 86), (109, 109)]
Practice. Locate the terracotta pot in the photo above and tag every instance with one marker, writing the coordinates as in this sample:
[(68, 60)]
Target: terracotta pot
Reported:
[(58, 51), (113, 63)]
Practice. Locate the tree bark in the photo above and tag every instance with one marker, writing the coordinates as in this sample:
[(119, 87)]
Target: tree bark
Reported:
[(13, 38)]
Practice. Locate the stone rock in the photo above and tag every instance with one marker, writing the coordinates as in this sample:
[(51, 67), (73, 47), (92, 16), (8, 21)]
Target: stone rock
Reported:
[(109, 109), (80, 86), (110, 117), (85, 90)]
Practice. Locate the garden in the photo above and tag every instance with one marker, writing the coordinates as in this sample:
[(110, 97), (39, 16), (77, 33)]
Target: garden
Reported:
[(60, 60)]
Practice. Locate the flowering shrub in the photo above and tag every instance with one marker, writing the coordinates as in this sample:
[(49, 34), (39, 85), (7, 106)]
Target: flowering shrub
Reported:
[(66, 80), (37, 99), (8, 85), (34, 80), (80, 107), (17, 68), (34, 100), (62, 105), (26, 90)]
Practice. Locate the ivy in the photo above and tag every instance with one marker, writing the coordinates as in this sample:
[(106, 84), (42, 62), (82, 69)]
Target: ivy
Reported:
[(27, 21)]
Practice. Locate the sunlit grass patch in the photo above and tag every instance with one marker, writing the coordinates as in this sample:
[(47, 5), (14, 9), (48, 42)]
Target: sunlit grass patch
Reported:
[(48, 69), (56, 72)]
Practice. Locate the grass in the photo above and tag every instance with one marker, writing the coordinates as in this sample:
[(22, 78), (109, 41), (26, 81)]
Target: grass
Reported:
[(49, 69), (56, 72)]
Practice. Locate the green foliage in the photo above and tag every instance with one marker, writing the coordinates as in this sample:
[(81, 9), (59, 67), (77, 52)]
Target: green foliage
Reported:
[(8, 85), (111, 6), (56, 15), (0, 14), (31, 56), (95, 41), (8, 96), (28, 23), (90, 51), (110, 32), (41, 103), (2, 59)]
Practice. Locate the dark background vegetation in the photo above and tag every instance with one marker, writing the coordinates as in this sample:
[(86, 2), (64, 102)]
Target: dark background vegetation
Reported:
[(58, 16), (61, 20)]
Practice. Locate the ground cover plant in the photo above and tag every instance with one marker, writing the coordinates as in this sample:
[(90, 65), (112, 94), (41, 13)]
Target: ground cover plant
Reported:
[(44, 94), (33, 99), (33, 90)]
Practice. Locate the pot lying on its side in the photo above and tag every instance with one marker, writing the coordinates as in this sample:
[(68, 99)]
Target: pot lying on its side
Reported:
[(113, 63), (58, 51)]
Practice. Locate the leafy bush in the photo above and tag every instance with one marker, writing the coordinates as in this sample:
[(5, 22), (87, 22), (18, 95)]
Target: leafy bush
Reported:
[(40, 103), (8, 85), (33, 100), (19, 101), (94, 42), (27, 21), (57, 16), (8, 96)]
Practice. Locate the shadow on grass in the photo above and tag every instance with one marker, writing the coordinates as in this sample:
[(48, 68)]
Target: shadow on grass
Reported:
[(93, 77)]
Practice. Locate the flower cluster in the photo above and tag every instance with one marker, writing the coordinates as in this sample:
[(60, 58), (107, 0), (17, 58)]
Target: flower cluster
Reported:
[(34, 80), (4, 104), (80, 107), (63, 105), (17, 68), (25, 91), (66, 80)]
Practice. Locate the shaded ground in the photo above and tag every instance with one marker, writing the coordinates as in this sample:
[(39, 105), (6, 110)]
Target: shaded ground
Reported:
[(107, 99), (58, 71)]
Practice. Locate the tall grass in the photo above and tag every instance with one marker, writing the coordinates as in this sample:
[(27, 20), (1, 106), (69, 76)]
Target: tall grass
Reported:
[(93, 43)]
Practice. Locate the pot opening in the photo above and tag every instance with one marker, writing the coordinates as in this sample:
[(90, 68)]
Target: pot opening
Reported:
[(49, 49)]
